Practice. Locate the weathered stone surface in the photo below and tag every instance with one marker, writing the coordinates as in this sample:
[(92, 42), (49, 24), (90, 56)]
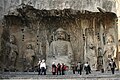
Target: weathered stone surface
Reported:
[(108, 5), (87, 32)]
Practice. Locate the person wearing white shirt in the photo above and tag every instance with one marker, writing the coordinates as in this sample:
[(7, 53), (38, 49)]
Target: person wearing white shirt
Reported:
[(43, 67), (87, 68)]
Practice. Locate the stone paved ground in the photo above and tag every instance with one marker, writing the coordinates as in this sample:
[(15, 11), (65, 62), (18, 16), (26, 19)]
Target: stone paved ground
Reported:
[(69, 76)]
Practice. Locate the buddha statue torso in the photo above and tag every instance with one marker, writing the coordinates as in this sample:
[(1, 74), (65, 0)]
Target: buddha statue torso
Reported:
[(60, 48)]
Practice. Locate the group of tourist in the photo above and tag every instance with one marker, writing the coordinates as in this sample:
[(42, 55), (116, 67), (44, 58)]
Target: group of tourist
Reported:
[(60, 69), (79, 68)]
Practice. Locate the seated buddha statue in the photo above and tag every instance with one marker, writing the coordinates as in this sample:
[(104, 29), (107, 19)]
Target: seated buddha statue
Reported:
[(60, 49)]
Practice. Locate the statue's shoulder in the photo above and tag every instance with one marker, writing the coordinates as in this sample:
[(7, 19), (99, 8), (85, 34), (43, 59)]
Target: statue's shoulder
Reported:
[(59, 42), (53, 43), (66, 42)]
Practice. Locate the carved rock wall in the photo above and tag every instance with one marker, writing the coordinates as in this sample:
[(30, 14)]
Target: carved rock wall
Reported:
[(35, 27)]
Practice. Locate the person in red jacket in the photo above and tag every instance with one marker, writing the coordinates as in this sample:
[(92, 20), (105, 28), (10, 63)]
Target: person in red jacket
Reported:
[(53, 68)]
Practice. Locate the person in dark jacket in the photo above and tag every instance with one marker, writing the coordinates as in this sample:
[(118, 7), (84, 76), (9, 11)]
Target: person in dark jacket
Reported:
[(39, 70), (112, 65), (74, 68), (79, 68), (59, 69), (87, 68), (63, 69)]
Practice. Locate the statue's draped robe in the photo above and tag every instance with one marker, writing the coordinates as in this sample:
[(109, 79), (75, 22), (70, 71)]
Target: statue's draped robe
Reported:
[(13, 55)]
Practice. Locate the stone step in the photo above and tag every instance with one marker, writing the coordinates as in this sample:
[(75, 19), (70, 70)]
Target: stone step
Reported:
[(69, 76)]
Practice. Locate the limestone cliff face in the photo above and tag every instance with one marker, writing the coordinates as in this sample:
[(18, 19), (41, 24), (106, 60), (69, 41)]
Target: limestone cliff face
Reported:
[(35, 27), (34, 30), (91, 5)]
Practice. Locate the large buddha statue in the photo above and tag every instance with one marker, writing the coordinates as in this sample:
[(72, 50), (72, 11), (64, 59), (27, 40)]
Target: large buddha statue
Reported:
[(109, 51), (60, 49)]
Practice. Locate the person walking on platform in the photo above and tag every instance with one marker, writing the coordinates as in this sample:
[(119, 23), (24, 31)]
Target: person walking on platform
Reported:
[(39, 70), (59, 69), (112, 65), (79, 68), (43, 67), (53, 68), (74, 68), (63, 69), (87, 68)]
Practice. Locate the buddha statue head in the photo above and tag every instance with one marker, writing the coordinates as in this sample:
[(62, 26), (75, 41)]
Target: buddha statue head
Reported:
[(29, 46), (12, 39), (60, 34)]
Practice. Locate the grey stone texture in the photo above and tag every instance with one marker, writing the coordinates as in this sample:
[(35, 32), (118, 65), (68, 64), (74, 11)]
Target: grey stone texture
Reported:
[(91, 5), (34, 23)]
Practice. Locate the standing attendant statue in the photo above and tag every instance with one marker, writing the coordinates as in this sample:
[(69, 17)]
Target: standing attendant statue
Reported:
[(109, 51), (13, 53)]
